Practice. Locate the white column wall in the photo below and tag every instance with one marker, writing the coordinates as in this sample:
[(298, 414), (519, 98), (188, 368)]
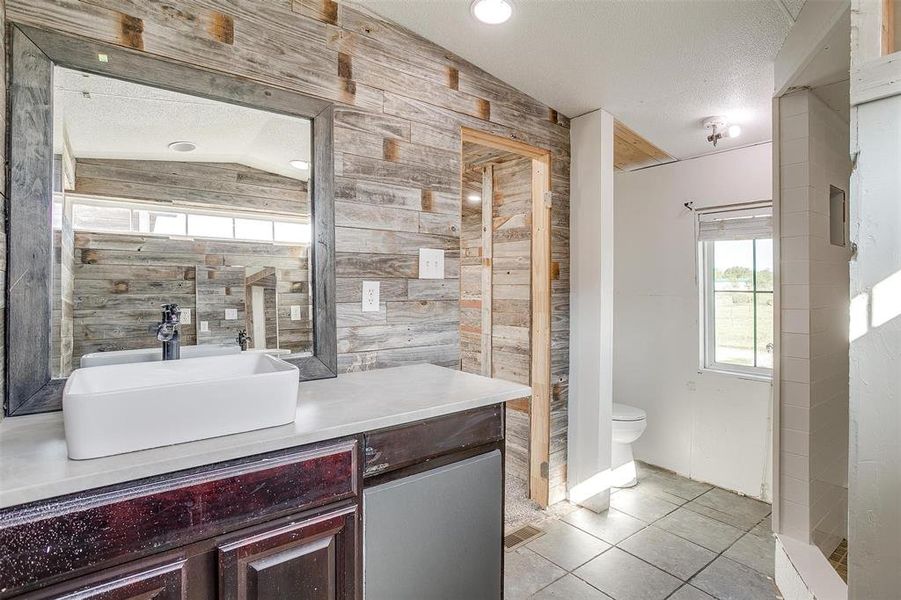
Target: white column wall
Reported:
[(591, 308)]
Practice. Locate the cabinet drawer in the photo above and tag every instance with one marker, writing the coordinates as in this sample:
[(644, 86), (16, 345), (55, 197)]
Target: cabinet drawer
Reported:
[(163, 579), (405, 445), (49, 541), (308, 559)]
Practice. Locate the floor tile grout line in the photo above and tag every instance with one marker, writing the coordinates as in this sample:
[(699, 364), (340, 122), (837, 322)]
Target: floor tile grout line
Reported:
[(646, 524)]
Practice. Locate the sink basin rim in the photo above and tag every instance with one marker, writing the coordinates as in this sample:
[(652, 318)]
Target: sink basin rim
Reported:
[(280, 366)]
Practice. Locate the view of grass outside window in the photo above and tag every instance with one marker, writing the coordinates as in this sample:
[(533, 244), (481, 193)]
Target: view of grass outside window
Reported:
[(739, 304)]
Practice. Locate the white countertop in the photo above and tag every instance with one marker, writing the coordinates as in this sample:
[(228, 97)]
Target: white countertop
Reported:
[(34, 464)]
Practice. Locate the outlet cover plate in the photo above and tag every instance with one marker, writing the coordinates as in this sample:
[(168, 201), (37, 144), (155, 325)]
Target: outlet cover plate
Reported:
[(231, 314), (431, 263), (295, 312), (370, 296)]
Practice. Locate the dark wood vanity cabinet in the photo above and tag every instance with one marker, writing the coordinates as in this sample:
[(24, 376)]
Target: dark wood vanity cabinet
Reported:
[(285, 524), (311, 559)]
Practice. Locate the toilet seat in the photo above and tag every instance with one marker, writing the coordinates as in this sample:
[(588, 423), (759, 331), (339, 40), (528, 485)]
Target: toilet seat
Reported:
[(624, 412)]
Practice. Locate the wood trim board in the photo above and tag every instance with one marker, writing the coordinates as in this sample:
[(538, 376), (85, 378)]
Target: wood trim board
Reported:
[(539, 422)]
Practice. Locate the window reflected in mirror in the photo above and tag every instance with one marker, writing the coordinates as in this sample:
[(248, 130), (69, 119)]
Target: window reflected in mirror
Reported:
[(162, 197)]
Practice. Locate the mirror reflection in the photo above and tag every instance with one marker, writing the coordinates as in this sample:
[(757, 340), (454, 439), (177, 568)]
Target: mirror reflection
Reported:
[(164, 198)]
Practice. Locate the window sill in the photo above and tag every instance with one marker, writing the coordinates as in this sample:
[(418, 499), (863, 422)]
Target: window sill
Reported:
[(738, 374)]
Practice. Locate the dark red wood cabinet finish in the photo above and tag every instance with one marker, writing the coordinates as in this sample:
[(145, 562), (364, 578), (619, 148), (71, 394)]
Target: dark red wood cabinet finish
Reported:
[(164, 578), (281, 525), (64, 538), (311, 559)]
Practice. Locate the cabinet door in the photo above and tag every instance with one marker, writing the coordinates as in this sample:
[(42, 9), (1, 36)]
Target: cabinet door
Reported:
[(164, 581), (308, 559)]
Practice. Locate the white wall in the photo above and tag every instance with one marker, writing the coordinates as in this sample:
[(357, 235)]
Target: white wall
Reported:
[(875, 474), (711, 427), (591, 308)]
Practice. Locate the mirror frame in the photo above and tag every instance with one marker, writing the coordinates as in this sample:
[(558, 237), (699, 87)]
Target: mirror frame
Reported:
[(30, 388)]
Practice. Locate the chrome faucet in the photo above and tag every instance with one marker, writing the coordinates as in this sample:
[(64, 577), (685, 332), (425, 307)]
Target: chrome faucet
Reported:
[(243, 339), (167, 331)]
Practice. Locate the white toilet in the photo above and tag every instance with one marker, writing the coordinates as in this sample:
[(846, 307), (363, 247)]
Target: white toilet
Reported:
[(629, 422)]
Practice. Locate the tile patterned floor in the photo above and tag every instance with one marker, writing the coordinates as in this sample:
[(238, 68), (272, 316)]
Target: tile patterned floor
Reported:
[(668, 538), (839, 560)]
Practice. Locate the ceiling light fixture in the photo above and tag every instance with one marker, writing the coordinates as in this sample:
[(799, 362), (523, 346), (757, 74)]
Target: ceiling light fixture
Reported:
[(182, 146), (474, 198), (720, 129), (303, 165), (492, 12)]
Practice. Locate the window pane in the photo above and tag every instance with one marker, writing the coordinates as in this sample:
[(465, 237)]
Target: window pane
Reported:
[(733, 265), (734, 328), (165, 223), (102, 218), (765, 330), (253, 229), (764, 265), (56, 211), (208, 226), (292, 232)]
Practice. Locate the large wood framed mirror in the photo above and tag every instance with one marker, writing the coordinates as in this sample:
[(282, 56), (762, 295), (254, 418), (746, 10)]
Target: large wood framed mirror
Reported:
[(136, 182)]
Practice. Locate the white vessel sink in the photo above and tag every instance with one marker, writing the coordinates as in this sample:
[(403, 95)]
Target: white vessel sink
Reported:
[(121, 357), (121, 408)]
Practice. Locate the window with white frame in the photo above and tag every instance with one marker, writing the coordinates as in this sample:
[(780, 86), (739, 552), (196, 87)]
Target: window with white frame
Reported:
[(123, 216), (736, 283)]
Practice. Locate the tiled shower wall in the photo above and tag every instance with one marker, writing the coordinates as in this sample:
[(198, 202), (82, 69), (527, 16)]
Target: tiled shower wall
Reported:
[(813, 152)]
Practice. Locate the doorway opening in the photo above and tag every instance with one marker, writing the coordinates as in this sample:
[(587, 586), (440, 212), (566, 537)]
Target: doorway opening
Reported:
[(505, 287)]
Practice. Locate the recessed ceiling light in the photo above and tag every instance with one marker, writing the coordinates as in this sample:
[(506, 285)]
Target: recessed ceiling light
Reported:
[(101, 57), (303, 165), (492, 12), (182, 146), (474, 198)]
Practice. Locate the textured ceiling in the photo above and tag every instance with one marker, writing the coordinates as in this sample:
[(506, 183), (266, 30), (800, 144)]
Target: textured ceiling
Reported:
[(659, 66), (109, 118)]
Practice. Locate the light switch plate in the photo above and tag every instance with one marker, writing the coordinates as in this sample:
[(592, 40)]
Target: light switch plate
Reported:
[(231, 314), (431, 263), (204, 327), (185, 317), (295, 312), (370, 296)]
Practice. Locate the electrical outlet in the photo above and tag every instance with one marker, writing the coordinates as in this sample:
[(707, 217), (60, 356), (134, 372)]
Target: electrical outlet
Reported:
[(204, 327), (185, 317), (231, 314), (295, 312), (370, 296), (431, 263)]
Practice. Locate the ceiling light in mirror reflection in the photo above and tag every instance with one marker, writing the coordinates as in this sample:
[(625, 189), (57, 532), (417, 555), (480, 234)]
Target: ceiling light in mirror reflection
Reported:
[(492, 12), (115, 119), (183, 146)]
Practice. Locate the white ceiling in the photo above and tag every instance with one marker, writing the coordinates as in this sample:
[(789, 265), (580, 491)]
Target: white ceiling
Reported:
[(659, 66), (109, 118)]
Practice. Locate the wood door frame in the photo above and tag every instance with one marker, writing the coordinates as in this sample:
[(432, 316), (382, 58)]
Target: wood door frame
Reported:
[(540, 347)]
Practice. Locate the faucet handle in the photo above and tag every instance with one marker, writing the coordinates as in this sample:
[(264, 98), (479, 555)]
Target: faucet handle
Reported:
[(171, 313)]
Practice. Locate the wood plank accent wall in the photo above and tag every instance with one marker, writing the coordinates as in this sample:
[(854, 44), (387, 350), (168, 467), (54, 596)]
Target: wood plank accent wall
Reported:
[(218, 289), (3, 197), (222, 186), (401, 103), (503, 181), (121, 279)]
